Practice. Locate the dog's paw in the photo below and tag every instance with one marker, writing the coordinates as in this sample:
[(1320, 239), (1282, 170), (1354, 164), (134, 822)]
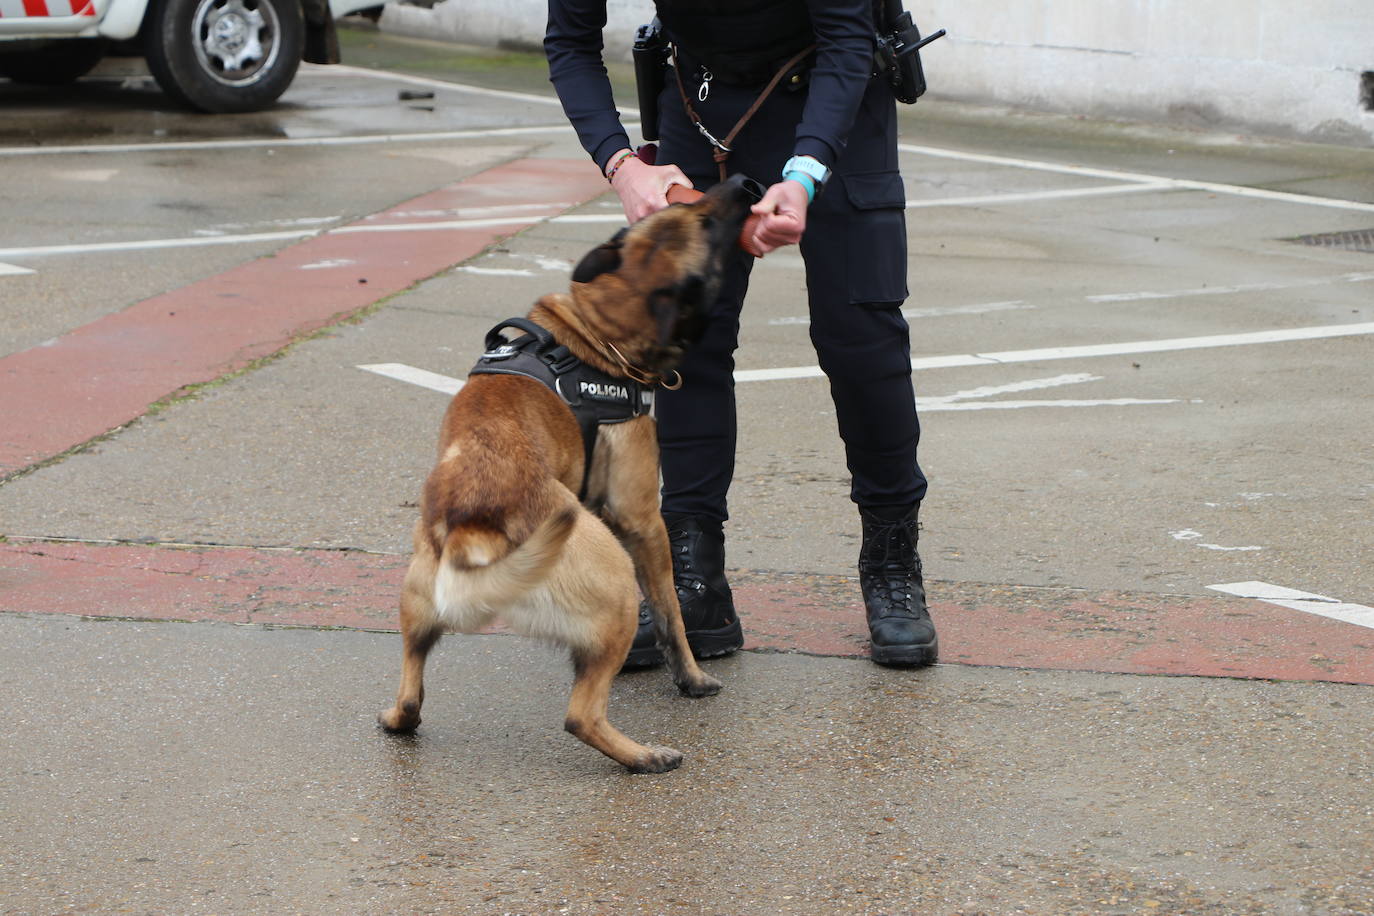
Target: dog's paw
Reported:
[(398, 722), (657, 760), (702, 686)]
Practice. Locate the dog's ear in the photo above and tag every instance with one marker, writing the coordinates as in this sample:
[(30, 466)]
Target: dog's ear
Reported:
[(602, 259)]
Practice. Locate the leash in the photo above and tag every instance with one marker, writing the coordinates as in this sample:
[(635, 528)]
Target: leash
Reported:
[(722, 147)]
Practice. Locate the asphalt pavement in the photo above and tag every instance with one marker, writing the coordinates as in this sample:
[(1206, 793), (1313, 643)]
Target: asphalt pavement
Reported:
[(1143, 372)]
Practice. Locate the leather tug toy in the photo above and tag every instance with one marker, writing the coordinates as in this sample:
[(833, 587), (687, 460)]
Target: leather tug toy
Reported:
[(679, 194)]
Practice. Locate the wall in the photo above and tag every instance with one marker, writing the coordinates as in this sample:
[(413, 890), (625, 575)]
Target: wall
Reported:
[(1280, 67)]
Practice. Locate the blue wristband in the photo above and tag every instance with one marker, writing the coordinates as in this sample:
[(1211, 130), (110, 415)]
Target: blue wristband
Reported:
[(805, 180)]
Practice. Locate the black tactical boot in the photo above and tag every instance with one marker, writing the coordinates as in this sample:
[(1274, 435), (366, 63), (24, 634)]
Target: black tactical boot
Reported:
[(894, 592), (708, 611)]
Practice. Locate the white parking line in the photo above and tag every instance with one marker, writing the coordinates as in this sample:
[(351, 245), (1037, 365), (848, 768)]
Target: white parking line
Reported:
[(439, 225), (1027, 196), (933, 312), (200, 241), (1035, 384), (1307, 602), (13, 270), (1089, 351), (282, 142), (403, 373), (1151, 182), (1137, 296), (1156, 180), (449, 385), (1227, 290), (495, 271), (444, 85), (502, 210), (590, 218), (629, 115), (551, 212), (968, 399), (958, 401), (1279, 335), (940, 405)]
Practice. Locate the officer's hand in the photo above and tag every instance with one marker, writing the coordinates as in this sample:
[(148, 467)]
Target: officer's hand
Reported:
[(783, 212), (643, 188)]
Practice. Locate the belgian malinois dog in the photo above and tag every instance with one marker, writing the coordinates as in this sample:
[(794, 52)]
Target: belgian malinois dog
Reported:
[(503, 534)]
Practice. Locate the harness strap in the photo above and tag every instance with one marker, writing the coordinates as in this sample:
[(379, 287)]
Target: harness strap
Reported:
[(540, 334), (595, 398)]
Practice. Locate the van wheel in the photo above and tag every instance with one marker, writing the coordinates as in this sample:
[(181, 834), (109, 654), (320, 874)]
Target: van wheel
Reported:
[(52, 65), (225, 55)]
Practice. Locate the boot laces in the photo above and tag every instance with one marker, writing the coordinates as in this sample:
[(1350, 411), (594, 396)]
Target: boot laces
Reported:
[(891, 547), (890, 564), (892, 585), (686, 579)]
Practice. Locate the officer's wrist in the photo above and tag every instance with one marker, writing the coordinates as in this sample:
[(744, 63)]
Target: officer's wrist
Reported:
[(615, 162), (805, 181), (809, 172)]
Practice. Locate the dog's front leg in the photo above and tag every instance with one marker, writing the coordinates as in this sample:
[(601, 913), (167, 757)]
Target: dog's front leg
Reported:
[(647, 543), (630, 509)]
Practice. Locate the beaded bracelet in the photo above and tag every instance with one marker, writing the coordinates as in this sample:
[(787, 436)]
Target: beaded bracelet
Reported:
[(628, 154)]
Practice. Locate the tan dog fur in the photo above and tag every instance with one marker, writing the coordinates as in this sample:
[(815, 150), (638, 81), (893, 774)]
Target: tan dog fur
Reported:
[(502, 535)]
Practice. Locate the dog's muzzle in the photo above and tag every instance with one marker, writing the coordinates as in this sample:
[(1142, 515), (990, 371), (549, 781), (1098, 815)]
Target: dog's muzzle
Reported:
[(736, 191)]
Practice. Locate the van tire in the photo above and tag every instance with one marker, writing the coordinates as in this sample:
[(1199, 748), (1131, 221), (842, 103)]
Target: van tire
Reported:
[(224, 55)]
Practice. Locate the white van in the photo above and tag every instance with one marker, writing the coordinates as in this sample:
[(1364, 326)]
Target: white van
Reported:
[(213, 55)]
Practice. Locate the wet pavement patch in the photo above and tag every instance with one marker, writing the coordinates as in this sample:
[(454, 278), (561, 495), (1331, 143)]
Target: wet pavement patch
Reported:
[(1349, 240)]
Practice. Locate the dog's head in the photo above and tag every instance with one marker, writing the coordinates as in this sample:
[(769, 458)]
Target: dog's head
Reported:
[(647, 289)]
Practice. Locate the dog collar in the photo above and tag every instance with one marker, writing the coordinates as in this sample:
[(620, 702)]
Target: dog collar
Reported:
[(595, 398)]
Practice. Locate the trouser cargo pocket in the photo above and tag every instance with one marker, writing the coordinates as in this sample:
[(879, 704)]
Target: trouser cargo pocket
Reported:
[(875, 237)]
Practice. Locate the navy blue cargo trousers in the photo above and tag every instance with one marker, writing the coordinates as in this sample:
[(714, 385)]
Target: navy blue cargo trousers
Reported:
[(856, 265)]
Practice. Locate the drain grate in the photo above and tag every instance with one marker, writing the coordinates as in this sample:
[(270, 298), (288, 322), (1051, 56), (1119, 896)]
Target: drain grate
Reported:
[(1353, 240)]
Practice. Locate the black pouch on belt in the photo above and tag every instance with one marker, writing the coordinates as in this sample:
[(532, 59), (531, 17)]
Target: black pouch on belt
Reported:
[(650, 53), (897, 57)]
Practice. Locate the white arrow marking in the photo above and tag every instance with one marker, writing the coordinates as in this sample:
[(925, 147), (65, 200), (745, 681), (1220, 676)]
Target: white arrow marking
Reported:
[(1308, 603)]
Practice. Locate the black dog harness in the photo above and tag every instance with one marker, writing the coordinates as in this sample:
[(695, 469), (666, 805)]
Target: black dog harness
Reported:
[(596, 399)]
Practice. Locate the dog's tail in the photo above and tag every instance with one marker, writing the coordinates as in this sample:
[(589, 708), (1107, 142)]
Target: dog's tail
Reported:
[(479, 571)]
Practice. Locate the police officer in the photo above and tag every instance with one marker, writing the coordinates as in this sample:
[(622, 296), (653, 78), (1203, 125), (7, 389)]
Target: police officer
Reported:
[(825, 141)]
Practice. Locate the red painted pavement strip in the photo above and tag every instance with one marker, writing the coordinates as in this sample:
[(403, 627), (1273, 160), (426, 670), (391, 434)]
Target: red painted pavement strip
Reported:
[(106, 373), (1013, 626), (289, 587)]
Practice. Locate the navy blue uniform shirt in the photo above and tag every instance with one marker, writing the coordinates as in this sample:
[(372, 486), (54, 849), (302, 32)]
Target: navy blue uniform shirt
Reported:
[(844, 63)]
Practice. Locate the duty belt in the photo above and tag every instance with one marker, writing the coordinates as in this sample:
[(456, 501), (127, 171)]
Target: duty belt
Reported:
[(596, 399)]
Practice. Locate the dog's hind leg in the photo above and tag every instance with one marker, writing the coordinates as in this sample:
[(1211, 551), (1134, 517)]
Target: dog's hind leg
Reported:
[(420, 630), (595, 669)]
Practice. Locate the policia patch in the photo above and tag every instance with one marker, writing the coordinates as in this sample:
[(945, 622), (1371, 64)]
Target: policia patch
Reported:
[(594, 397)]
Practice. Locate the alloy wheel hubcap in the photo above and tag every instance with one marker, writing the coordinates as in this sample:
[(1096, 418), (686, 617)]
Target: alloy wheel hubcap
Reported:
[(236, 43)]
